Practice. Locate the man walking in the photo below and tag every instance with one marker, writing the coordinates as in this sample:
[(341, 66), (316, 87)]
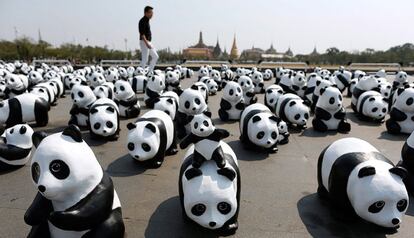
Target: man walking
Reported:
[(145, 40)]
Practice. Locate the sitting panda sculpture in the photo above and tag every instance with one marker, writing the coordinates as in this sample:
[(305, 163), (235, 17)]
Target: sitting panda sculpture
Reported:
[(358, 180), (126, 99), (106, 90), (402, 112), (372, 106), (259, 128), (211, 201), (151, 138), (155, 87), (232, 102), (75, 196), (299, 84), (369, 83), (258, 82), (168, 103), (16, 148), (138, 83), (400, 80), (82, 98), (291, 109), (272, 95), (329, 112), (206, 139), (249, 94), (104, 119)]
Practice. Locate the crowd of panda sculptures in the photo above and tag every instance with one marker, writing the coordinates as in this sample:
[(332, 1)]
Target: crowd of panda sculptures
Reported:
[(76, 198)]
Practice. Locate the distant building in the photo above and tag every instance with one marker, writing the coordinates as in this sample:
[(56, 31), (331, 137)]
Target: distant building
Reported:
[(234, 53), (252, 54), (200, 50), (314, 52), (217, 50), (269, 54)]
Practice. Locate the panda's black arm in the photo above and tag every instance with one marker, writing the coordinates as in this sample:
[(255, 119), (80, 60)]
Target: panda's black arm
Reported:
[(181, 118), (322, 113), (88, 212), (74, 110), (11, 152), (340, 114), (240, 106), (250, 94), (221, 133), (225, 105), (397, 115), (187, 141), (152, 94), (39, 211), (112, 227)]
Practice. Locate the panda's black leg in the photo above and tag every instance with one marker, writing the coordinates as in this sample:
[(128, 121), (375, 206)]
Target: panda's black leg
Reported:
[(354, 108), (285, 139), (133, 111), (41, 113), (224, 116), (154, 163), (73, 120), (192, 173), (392, 126), (173, 148), (40, 231), (344, 126), (322, 192), (227, 172), (112, 227), (181, 133), (273, 149), (318, 125)]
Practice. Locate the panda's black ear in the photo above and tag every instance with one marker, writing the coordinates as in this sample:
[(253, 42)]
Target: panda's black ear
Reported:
[(207, 113), (274, 118), (73, 132), (371, 99), (131, 126), (151, 127), (84, 83), (37, 137), (322, 90), (366, 171), (194, 87), (399, 91), (318, 82), (292, 103), (256, 119), (170, 101), (93, 111), (400, 171), (110, 109), (190, 118)]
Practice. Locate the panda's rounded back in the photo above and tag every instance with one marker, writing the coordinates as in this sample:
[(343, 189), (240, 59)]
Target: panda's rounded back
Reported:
[(247, 110), (166, 119), (19, 135)]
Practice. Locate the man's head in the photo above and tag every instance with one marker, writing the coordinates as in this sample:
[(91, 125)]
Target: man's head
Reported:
[(148, 11)]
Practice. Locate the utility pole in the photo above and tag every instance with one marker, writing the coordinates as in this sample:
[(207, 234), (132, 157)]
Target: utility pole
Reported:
[(16, 33)]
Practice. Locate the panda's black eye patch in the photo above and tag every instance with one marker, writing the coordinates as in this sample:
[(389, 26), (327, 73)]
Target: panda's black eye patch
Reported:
[(384, 110), (97, 125), (306, 116), (376, 207), (35, 172), (131, 146), (197, 101), (198, 209), (146, 147), (274, 135), (122, 88), (239, 90), (340, 97), (231, 92), (12, 131), (80, 94), (187, 104), (297, 116), (196, 125), (374, 109), (205, 123), (23, 130), (242, 84), (410, 101), (332, 100), (402, 205), (59, 169), (260, 135), (271, 100), (224, 208), (109, 124)]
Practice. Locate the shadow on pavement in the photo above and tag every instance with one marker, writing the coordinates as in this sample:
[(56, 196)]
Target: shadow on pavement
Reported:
[(125, 166), (246, 155), (387, 136)]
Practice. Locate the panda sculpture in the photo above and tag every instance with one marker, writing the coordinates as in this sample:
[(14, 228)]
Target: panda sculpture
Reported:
[(126, 99), (82, 98), (284, 134), (75, 198), (400, 80), (172, 81), (16, 148), (46, 91), (202, 87), (329, 112), (291, 109), (342, 81), (216, 76), (155, 87), (104, 119), (138, 83), (168, 103), (96, 79), (106, 90), (259, 128), (407, 162), (372, 106), (211, 201), (58, 87), (267, 75), (299, 84), (249, 95), (232, 103), (24, 108), (258, 82), (312, 79), (358, 180), (322, 83), (402, 112), (272, 95), (151, 138), (286, 82), (191, 103), (364, 84), (16, 85)]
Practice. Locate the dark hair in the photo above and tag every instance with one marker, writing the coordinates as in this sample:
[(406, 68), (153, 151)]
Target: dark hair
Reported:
[(147, 9)]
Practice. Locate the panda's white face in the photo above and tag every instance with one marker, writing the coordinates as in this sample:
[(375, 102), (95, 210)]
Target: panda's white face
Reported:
[(76, 81), (330, 99), (215, 74), (123, 90), (375, 107), (19, 135), (380, 198), (97, 79), (192, 102), (201, 125), (143, 141), (323, 83), (139, 71), (156, 83), (385, 89), (212, 86), (35, 77), (263, 130), (368, 83), (401, 77), (111, 75), (297, 112), (14, 82), (171, 77), (104, 120), (203, 72), (167, 105), (405, 100), (232, 92), (299, 79), (245, 83), (65, 170), (273, 93), (257, 77), (82, 96), (202, 87), (123, 72)]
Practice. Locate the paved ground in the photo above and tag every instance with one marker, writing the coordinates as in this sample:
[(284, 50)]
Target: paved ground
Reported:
[(278, 196)]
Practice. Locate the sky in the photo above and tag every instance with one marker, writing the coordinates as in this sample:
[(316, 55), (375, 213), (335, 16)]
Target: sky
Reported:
[(300, 24)]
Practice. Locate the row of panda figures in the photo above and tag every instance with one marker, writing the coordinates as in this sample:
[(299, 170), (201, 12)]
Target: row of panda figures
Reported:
[(77, 198)]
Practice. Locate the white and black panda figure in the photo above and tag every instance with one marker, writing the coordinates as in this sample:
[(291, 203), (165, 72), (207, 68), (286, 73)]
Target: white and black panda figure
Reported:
[(76, 197), (16, 148), (172, 81), (358, 180), (402, 112), (249, 94), (126, 99), (24, 108), (400, 80), (16, 85), (272, 95), (329, 112), (168, 103), (342, 81), (407, 162), (283, 132), (96, 79), (267, 75), (372, 106), (312, 79), (291, 109), (258, 82), (322, 83), (72, 81), (202, 87), (232, 103), (58, 87), (299, 84), (211, 201), (106, 90), (82, 99), (155, 87), (216, 76), (35, 77), (280, 71), (191, 103), (286, 82), (151, 138), (104, 120), (138, 83), (2, 89), (212, 87), (364, 84), (259, 128), (111, 74), (206, 139), (46, 91)]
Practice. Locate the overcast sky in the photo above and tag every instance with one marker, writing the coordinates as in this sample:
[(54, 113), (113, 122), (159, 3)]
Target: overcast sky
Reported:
[(301, 24)]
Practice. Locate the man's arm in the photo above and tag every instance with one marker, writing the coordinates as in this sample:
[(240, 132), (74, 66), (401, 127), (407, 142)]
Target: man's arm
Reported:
[(146, 41), (142, 29)]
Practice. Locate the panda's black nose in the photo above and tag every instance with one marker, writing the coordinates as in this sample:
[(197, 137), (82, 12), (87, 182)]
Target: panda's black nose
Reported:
[(136, 156), (395, 221), (43, 189), (212, 224), (201, 129), (269, 142)]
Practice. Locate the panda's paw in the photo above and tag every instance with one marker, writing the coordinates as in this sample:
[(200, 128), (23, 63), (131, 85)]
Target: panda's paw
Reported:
[(344, 127), (171, 151), (392, 127), (284, 141), (273, 150), (228, 173), (192, 173)]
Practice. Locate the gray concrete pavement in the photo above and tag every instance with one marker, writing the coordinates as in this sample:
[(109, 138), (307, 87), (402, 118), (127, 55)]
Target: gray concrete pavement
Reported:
[(278, 197)]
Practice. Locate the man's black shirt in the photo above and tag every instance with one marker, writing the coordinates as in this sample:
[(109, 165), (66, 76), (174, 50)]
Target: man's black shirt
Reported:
[(144, 28)]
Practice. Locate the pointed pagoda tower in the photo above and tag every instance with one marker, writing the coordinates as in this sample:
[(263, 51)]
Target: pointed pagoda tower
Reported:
[(234, 53), (217, 50)]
